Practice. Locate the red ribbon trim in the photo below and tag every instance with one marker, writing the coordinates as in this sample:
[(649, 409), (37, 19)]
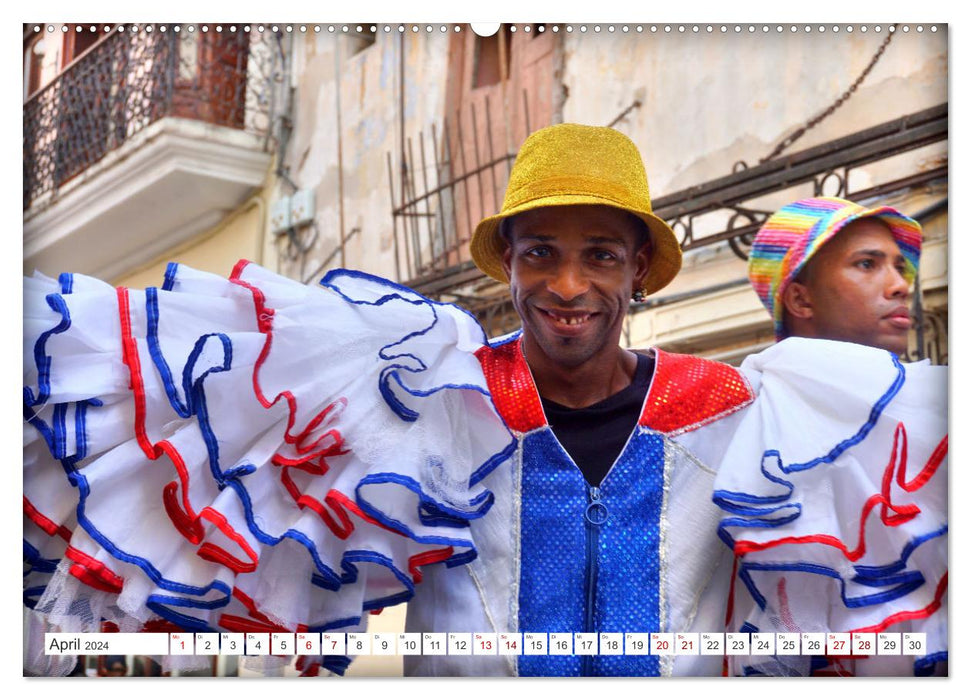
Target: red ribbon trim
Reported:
[(92, 572), (45, 523), (902, 513)]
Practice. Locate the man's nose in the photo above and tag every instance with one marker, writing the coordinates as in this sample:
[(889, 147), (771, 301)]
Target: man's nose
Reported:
[(568, 281), (897, 284)]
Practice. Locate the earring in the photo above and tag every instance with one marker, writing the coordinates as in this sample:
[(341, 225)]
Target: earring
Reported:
[(638, 296)]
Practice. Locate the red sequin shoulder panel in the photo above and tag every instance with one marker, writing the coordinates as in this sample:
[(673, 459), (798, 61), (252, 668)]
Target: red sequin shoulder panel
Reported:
[(688, 392), (511, 386)]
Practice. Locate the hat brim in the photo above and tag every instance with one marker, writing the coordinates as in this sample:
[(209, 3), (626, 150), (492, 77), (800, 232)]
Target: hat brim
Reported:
[(487, 246)]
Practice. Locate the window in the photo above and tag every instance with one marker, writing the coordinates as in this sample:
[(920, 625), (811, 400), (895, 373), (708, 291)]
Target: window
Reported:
[(77, 42), (360, 36), (34, 49), (491, 58)]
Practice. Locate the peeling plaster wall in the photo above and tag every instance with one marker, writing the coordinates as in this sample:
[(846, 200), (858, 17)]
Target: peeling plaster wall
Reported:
[(368, 104), (711, 100)]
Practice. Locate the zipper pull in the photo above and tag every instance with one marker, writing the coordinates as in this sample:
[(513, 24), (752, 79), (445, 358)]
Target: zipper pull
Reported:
[(596, 513)]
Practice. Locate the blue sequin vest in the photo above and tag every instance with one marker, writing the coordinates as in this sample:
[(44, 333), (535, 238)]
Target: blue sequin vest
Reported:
[(590, 558)]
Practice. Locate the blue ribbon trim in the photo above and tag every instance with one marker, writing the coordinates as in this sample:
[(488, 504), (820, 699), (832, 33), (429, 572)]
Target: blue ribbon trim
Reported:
[(924, 666), (189, 623), (332, 281), (745, 504), (336, 664), (392, 372), (877, 572), (171, 270), (37, 563), (33, 595), (41, 359), (901, 584)]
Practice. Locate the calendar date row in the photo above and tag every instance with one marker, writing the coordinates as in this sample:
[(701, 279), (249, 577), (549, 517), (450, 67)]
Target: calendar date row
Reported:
[(492, 643)]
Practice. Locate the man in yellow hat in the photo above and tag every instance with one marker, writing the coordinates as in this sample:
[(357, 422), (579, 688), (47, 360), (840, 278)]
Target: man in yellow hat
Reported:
[(606, 523), (607, 515)]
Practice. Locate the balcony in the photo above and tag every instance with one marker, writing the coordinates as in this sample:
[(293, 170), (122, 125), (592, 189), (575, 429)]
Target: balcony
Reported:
[(144, 141)]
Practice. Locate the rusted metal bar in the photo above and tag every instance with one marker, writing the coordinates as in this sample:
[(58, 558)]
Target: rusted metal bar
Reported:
[(447, 152), (886, 188), (634, 105), (492, 170), (406, 244), (340, 154), (461, 178), (526, 111), (465, 183), (921, 178), (452, 276), (876, 143), (415, 227), (478, 160), (429, 214), (394, 222), (441, 201)]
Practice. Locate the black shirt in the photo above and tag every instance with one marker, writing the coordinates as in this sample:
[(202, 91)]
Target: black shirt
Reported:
[(594, 436)]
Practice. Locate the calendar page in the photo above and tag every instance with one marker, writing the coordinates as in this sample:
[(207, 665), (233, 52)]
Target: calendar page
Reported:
[(193, 508)]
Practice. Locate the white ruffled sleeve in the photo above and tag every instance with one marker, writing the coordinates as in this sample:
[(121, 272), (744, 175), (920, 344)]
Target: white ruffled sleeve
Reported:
[(248, 454), (834, 489)]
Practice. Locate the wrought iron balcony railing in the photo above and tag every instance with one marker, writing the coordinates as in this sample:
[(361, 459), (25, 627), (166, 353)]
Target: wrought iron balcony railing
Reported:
[(136, 76)]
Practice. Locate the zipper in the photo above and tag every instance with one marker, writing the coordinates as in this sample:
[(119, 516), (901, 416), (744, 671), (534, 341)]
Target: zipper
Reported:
[(595, 516)]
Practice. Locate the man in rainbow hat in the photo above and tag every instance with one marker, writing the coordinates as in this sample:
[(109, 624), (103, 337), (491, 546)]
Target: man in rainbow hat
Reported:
[(834, 484), (830, 268)]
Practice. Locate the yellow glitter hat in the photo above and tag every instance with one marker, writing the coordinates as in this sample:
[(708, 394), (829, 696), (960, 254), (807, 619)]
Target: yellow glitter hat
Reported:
[(575, 164)]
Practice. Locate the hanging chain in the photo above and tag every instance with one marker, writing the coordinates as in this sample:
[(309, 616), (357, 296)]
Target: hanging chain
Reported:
[(792, 138)]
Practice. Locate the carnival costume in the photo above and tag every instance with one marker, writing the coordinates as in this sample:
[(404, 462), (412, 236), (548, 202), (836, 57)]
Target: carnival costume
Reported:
[(256, 455), (558, 555)]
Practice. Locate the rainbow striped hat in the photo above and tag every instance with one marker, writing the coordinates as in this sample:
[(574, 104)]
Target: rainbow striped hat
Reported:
[(791, 236)]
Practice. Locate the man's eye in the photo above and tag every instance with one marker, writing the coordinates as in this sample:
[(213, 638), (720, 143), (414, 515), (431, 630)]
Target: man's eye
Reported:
[(604, 256), (539, 252), (865, 264)]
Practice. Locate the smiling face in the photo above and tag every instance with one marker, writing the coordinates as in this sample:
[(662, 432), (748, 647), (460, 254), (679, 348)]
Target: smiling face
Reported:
[(854, 289), (572, 270)]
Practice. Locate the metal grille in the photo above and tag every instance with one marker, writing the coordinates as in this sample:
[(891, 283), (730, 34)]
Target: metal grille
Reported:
[(446, 183), (827, 166), (133, 78)]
